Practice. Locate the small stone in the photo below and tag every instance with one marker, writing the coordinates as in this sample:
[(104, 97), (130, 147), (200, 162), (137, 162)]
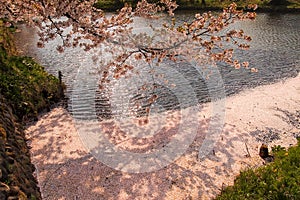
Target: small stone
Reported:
[(263, 151), (269, 159), (264, 154)]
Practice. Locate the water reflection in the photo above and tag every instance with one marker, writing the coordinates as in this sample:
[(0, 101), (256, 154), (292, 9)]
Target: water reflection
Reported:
[(274, 52)]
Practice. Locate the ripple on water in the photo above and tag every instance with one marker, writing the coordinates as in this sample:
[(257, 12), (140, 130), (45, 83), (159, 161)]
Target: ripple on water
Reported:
[(274, 52)]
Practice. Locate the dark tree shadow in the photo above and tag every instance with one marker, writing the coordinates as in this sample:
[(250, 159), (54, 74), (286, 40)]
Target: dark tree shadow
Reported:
[(66, 170), (292, 118)]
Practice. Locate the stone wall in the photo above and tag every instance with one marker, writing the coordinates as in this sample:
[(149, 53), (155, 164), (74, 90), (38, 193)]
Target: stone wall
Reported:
[(16, 179)]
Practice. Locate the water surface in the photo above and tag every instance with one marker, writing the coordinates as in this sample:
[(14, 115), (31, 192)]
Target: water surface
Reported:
[(274, 52)]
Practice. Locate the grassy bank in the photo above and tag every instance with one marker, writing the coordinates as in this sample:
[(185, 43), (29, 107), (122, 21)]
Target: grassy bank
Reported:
[(25, 90), (277, 180), (25, 85)]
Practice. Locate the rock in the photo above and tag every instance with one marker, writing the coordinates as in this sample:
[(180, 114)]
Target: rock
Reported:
[(16, 170), (264, 151), (15, 166), (269, 159)]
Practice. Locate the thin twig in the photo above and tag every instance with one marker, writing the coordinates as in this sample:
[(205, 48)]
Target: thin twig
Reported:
[(247, 149)]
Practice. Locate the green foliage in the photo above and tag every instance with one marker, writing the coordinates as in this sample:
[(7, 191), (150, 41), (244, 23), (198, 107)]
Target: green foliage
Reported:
[(279, 2), (6, 41), (25, 89), (195, 4), (32, 197), (242, 4), (278, 180), (26, 86), (277, 148), (109, 4), (294, 4)]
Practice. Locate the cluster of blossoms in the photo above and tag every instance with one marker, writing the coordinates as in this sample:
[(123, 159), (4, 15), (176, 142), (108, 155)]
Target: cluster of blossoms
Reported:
[(201, 39)]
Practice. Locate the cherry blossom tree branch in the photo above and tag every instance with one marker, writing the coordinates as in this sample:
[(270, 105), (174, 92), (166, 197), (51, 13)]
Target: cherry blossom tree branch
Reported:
[(200, 39)]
